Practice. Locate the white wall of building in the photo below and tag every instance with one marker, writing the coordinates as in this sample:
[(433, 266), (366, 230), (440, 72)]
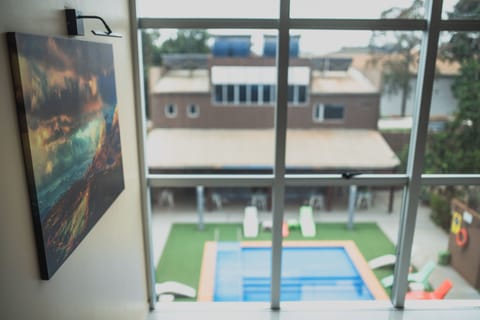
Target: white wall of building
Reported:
[(443, 101)]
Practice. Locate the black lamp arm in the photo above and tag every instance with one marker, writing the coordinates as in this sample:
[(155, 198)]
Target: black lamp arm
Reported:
[(75, 24), (109, 31)]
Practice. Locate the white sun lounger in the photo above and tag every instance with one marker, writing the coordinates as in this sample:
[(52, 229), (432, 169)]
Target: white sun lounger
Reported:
[(175, 288), (250, 222), (307, 225), (419, 277), (382, 261)]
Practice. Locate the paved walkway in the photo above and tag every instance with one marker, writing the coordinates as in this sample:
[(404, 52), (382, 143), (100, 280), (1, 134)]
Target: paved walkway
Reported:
[(429, 240)]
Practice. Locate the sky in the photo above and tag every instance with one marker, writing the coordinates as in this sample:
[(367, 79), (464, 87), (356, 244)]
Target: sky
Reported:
[(269, 8), (313, 42)]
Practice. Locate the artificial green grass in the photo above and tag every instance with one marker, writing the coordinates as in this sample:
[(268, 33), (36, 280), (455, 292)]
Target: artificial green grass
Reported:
[(182, 256)]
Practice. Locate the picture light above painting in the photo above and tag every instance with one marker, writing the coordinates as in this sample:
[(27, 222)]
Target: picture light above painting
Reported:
[(75, 27), (68, 118)]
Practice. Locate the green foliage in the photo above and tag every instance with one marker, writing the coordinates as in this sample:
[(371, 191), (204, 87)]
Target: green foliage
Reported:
[(440, 214), (187, 41), (403, 156), (396, 69), (444, 258), (151, 51), (457, 149)]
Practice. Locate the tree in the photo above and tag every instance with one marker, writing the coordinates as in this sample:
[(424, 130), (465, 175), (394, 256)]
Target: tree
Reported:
[(401, 49), (187, 41), (150, 49), (151, 56), (457, 148)]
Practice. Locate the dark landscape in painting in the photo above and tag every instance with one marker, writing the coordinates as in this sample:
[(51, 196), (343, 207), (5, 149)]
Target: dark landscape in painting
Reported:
[(68, 117)]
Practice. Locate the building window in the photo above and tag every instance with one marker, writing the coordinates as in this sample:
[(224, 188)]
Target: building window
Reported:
[(302, 94), (170, 111), (218, 93), (254, 94), (291, 93), (267, 90), (193, 111), (230, 93), (327, 112), (242, 94)]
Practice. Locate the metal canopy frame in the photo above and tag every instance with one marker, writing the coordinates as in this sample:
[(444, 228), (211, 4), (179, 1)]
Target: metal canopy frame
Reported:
[(411, 181)]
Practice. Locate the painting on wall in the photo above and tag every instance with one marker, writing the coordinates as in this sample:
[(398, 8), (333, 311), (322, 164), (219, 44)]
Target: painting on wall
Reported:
[(68, 119)]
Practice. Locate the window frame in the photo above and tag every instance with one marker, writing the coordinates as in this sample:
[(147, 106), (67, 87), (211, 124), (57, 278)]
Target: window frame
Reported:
[(320, 110), (167, 113), (411, 180), (190, 114)]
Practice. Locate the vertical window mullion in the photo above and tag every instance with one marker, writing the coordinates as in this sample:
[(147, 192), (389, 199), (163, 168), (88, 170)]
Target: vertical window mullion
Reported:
[(236, 94), (224, 94), (278, 191), (295, 94), (426, 73)]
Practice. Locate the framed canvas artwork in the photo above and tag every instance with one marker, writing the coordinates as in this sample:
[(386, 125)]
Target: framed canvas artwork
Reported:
[(68, 119)]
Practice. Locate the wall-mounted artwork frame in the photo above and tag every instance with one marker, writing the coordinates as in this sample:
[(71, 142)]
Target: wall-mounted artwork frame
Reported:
[(68, 118)]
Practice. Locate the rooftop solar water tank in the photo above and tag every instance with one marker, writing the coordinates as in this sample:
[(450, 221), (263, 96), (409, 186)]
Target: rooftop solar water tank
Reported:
[(270, 46), (231, 46)]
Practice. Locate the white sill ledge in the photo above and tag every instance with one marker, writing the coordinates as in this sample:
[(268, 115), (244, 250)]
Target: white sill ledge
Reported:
[(355, 310)]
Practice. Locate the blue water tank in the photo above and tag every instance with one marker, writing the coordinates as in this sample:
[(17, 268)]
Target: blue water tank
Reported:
[(231, 46), (270, 46)]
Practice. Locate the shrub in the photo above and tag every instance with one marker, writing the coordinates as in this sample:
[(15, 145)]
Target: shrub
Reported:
[(440, 214)]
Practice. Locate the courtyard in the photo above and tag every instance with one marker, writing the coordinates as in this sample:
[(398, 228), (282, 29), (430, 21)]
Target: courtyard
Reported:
[(429, 239)]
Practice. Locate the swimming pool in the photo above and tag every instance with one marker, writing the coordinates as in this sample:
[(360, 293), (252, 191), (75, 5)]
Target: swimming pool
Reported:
[(311, 270)]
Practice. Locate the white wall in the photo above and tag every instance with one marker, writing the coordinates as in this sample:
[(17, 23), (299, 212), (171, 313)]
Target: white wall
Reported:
[(104, 278), (443, 101)]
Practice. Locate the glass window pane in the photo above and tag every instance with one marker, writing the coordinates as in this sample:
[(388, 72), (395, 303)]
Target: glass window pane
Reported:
[(333, 112), (230, 93), (199, 235), (266, 94), (243, 94), (193, 111), (302, 94), (444, 252), (354, 93), (185, 70), (461, 10), (453, 144), (338, 242), (290, 93), (219, 94), (208, 9), (367, 9), (254, 94)]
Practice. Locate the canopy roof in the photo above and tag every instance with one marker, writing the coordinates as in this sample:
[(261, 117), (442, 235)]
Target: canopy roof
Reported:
[(307, 149)]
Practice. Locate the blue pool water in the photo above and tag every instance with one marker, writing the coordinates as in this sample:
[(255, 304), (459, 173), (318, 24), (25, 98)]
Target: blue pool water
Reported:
[(308, 273)]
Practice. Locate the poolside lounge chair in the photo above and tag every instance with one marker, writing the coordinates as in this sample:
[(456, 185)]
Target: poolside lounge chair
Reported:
[(175, 288), (250, 222), (437, 294), (382, 261), (421, 276), (307, 225)]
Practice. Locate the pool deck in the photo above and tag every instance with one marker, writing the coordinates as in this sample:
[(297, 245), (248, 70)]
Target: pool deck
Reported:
[(207, 274)]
